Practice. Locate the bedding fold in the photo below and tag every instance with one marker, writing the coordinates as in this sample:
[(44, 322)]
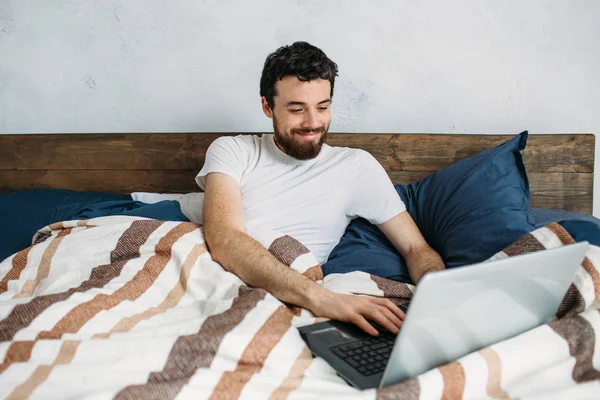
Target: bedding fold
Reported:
[(127, 307)]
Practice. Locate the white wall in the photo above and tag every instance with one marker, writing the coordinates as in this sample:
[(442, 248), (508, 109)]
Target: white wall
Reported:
[(467, 66)]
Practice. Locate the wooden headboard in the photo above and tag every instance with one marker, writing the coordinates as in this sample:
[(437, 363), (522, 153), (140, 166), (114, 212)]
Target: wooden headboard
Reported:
[(560, 166)]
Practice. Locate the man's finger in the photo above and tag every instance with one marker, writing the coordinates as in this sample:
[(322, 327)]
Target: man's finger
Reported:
[(391, 316), (363, 324), (391, 306), (377, 317)]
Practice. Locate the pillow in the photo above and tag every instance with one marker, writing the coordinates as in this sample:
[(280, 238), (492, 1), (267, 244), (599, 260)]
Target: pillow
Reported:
[(467, 212), (25, 211), (582, 230), (166, 210), (190, 203), (544, 216)]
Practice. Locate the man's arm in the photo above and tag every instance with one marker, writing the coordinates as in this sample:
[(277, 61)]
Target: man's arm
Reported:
[(404, 234), (230, 246)]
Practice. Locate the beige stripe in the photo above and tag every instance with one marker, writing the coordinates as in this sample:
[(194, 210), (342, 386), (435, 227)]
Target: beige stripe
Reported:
[(65, 355), (295, 377), (192, 352), (145, 278), (251, 361), (494, 366), (314, 273), (44, 268), (453, 375), (19, 262), (170, 301)]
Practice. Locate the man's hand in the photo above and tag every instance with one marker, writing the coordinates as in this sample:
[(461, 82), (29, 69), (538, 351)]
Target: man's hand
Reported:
[(359, 309)]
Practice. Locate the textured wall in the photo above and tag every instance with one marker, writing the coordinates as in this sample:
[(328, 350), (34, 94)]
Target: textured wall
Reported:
[(469, 66)]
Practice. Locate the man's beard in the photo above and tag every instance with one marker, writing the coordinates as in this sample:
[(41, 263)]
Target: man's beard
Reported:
[(298, 148)]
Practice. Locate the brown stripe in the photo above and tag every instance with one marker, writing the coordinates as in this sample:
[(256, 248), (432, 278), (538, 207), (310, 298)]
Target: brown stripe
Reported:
[(143, 279), (255, 354), (581, 338), (453, 375), (392, 288), (561, 233), (66, 353), (17, 352), (409, 389), (594, 275), (295, 376), (67, 350), (566, 238), (19, 262), (40, 237), (572, 304), (494, 366), (526, 244), (191, 352), (44, 268), (314, 273), (286, 249), (127, 248), (171, 300)]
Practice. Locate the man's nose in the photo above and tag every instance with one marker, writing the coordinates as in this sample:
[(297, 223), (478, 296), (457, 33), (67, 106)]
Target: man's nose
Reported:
[(310, 120)]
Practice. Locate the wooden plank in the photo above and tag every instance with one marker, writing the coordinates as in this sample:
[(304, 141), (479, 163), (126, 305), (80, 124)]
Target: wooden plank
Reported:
[(396, 152), (428, 152), (564, 191), (112, 181), (104, 151)]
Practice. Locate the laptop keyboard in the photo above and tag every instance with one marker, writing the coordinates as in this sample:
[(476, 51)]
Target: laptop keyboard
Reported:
[(368, 356)]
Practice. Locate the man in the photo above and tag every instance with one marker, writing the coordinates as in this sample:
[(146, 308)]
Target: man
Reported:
[(292, 182)]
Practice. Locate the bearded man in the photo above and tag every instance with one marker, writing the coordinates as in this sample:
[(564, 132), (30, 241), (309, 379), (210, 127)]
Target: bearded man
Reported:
[(291, 181)]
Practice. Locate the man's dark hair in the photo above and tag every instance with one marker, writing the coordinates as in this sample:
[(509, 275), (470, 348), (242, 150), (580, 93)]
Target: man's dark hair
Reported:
[(302, 60)]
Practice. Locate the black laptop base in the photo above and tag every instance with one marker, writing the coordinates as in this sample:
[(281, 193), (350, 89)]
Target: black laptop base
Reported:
[(357, 357)]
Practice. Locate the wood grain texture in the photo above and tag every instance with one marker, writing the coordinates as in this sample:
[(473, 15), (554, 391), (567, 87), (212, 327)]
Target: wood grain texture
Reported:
[(560, 167)]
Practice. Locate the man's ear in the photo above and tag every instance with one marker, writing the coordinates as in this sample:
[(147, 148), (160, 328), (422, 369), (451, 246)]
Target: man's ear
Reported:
[(266, 108)]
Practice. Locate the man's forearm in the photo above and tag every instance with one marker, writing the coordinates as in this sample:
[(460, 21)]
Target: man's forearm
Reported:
[(257, 267), (421, 261)]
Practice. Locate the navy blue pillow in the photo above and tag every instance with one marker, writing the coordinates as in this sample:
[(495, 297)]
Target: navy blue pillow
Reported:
[(467, 212), (166, 210), (582, 230), (25, 211), (544, 216)]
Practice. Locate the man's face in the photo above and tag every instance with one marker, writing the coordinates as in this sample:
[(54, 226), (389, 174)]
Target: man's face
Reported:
[(301, 116)]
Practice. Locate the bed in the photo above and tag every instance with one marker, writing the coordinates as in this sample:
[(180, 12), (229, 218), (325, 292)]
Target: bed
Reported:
[(126, 305)]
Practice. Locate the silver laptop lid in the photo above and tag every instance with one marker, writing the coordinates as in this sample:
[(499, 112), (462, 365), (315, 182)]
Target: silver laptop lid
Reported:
[(457, 311)]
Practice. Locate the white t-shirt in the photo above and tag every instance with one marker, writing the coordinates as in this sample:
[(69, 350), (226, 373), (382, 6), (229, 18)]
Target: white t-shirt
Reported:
[(313, 200)]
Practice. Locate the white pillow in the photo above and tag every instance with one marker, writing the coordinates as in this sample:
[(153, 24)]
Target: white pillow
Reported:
[(190, 203)]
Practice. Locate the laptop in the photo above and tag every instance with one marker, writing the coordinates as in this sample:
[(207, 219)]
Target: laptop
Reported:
[(453, 313)]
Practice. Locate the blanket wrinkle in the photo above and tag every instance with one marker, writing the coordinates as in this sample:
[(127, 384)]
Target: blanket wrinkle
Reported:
[(155, 317)]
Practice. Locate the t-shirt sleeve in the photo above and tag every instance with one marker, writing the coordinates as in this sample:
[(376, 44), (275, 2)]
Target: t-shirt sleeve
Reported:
[(373, 197), (228, 155)]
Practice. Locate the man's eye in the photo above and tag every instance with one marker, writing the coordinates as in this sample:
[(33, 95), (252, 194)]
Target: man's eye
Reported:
[(296, 110), (323, 108)]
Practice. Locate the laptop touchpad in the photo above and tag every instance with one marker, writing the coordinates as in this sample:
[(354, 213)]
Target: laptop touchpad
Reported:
[(332, 336)]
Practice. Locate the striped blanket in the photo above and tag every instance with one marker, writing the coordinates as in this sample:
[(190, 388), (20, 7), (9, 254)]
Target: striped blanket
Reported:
[(132, 308)]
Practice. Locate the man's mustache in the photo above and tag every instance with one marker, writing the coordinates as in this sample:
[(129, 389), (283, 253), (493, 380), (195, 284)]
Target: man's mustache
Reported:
[(320, 129)]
